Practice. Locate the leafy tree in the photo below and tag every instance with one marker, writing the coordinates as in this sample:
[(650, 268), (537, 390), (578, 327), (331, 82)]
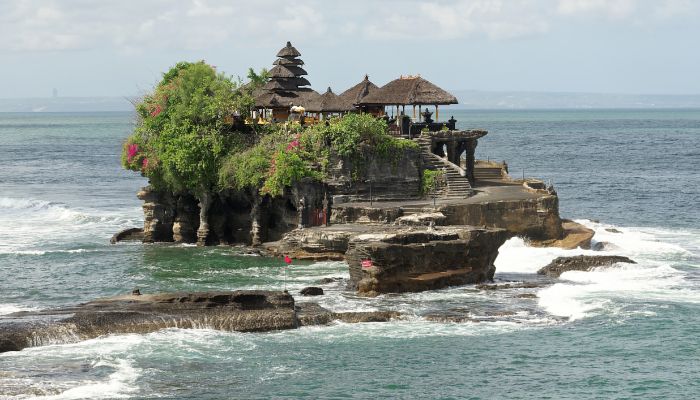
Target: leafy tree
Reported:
[(184, 131)]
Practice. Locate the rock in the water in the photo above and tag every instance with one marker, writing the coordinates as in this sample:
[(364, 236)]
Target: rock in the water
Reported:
[(526, 296), (245, 311), (600, 246), (242, 310), (326, 281), (612, 230), (580, 263), (127, 234), (417, 259), (314, 314), (574, 236), (311, 291), (521, 285)]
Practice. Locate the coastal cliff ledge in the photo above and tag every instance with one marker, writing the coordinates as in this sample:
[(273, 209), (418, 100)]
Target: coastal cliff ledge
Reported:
[(393, 259), (242, 311)]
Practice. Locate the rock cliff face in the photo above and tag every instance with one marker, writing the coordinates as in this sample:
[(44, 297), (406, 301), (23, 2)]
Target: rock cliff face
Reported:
[(159, 215), (532, 218), (248, 218), (244, 311), (396, 177), (410, 260), (234, 216)]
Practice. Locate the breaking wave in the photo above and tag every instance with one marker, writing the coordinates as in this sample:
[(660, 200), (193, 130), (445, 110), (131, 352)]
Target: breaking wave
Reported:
[(659, 275)]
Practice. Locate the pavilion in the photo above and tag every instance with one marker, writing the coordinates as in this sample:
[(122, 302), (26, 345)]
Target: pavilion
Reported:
[(288, 91), (412, 90), (354, 96)]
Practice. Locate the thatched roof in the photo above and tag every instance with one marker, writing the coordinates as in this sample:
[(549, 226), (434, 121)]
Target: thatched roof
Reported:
[(301, 97), (288, 61), (288, 84), (288, 51), (328, 102), (273, 85), (358, 92), (286, 71), (409, 90)]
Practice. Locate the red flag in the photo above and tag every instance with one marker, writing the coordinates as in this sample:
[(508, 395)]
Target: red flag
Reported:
[(287, 260), (366, 264)]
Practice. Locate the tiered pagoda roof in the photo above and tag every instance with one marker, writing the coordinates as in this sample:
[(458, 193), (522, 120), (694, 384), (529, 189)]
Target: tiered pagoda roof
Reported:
[(287, 85)]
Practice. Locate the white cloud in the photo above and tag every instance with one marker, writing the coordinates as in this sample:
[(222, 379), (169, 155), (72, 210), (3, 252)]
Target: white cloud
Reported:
[(139, 25), (611, 8)]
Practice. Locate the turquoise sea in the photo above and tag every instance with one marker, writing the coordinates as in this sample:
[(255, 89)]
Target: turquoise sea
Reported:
[(627, 332)]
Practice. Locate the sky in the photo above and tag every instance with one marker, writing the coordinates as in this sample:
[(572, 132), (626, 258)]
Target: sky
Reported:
[(120, 48)]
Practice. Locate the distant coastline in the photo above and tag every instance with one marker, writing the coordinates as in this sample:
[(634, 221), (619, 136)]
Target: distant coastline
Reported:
[(468, 99)]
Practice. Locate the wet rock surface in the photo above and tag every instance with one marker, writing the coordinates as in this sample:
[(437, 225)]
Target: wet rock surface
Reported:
[(520, 285), (311, 291), (418, 259), (314, 314), (574, 236), (580, 263), (129, 234), (243, 311)]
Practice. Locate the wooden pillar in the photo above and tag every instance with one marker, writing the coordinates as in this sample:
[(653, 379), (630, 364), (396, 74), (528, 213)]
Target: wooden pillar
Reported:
[(436, 113), (420, 108)]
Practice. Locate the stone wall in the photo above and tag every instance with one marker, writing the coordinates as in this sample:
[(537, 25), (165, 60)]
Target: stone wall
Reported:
[(397, 177)]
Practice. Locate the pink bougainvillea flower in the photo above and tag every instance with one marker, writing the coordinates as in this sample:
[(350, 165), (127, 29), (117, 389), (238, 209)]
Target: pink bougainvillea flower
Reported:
[(156, 111), (145, 163), (294, 144), (131, 151)]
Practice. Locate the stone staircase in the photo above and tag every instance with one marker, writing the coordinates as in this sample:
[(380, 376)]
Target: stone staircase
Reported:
[(411, 210), (488, 173), (457, 186)]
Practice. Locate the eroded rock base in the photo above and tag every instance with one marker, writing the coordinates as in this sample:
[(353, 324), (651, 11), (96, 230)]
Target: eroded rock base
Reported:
[(242, 311)]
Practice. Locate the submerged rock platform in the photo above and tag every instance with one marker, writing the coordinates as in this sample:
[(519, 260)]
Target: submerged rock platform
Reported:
[(241, 311)]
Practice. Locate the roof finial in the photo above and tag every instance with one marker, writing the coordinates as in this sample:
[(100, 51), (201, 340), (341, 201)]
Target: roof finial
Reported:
[(366, 77), (329, 90), (289, 44)]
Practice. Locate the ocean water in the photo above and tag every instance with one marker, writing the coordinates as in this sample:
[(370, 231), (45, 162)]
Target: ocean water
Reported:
[(624, 332)]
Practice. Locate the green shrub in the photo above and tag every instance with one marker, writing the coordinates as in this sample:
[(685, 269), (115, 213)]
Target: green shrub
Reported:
[(182, 136), (430, 180)]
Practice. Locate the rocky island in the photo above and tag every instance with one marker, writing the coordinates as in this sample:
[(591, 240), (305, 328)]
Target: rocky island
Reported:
[(274, 165), (324, 176)]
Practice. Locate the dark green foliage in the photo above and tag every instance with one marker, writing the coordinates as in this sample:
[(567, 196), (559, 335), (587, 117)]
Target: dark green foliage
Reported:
[(183, 131), (184, 139), (430, 180)]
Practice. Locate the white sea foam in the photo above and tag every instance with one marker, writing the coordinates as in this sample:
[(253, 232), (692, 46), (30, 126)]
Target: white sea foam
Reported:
[(37, 227), (10, 308), (119, 384), (606, 290)]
